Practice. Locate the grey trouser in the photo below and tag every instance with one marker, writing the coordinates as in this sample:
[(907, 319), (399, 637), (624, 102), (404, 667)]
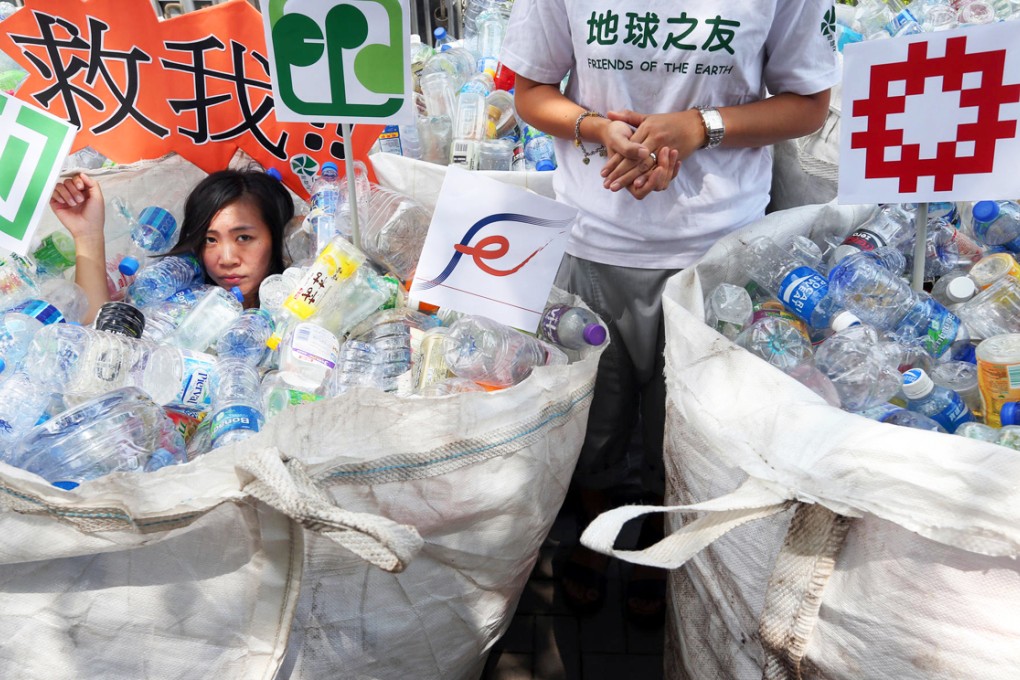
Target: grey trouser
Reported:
[(630, 386)]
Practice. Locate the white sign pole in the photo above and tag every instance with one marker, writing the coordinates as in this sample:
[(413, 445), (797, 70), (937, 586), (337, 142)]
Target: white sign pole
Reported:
[(920, 246), (352, 186)]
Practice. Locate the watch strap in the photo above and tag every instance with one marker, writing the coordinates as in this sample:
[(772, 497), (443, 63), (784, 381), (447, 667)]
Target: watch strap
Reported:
[(714, 127)]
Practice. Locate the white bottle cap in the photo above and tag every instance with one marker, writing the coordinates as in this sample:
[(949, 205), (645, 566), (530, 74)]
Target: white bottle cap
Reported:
[(917, 384), (961, 289), (844, 320)]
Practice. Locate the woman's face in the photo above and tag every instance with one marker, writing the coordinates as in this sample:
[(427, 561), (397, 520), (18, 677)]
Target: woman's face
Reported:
[(238, 249)]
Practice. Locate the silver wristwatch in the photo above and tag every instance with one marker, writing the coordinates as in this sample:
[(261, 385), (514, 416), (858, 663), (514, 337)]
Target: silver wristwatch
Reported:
[(712, 119)]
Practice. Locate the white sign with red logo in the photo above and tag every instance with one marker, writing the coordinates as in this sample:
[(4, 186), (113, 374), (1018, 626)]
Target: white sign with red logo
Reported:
[(492, 249), (932, 117)]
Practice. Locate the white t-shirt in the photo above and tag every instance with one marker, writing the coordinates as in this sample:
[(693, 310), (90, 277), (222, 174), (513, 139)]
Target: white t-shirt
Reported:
[(659, 57)]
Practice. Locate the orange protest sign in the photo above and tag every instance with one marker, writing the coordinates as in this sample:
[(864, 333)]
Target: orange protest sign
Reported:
[(139, 88)]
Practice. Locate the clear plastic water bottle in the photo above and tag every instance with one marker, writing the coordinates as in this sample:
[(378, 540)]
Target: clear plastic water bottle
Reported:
[(502, 114), (993, 267), (308, 354), (22, 404), (237, 405), (540, 153), (40, 310), (394, 234), (882, 299), (122, 318), (728, 309), (997, 223), (356, 366), (277, 394), (571, 327), (892, 225), (330, 272), (441, 37), (979, 431), (993, 311), (777, 341), (489, 41), (116, 432), (410, 144), (16, 333), (208, 319), (954, 288), (440, 95), (162, 279), (436, 134), (325, 193), (960, 377), (942, 405), (246, 337), (363, 196), (860, 364), (82, 362), (495, 355), (459, 62), (801, 289), (897, 415), (155, 230)]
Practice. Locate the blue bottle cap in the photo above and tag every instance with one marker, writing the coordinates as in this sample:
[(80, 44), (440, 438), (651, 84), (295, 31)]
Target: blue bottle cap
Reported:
[(986, 211), (66, 485), (3, 364), (275, 174), (329, 165), (128, 266), (439, 33), (1009, 414), (545, 165), (238, 294), (445, 47)]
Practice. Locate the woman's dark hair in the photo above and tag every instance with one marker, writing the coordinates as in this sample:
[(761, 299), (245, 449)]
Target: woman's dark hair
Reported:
[(222, 188)]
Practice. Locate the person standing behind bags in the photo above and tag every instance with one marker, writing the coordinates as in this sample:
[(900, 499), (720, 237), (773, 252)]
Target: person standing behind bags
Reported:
[(662, 137)]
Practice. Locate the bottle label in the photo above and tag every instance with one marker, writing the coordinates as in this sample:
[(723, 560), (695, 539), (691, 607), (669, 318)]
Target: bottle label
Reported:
[(315, 345), (237, 417), (464, 153), (550, 325), (330, 267), (159, 219), (772, 308), (195, 391), (864, 239), (943, 327), (998, 383), (802, 290), (389, 140), (953, 415)]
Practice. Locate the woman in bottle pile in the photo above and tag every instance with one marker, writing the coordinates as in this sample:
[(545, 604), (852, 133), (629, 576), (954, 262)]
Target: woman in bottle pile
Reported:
[(233, 224), (683, 161)]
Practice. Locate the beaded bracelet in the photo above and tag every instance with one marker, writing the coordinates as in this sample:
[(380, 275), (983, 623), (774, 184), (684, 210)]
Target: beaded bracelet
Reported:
[(601, 150)]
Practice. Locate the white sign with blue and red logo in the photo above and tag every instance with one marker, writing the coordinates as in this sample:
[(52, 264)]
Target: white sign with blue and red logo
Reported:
[(492, 249)]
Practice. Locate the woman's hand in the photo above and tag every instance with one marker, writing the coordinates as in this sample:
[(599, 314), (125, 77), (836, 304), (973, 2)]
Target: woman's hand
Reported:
[(681, 132), (78, 204)]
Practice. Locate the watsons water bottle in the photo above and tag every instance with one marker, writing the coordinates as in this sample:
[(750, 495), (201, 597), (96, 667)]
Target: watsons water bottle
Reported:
[(208, 319), (998, 223), (162, 279), (246, 337), (495, 355), (892, 225), (571, 327), (801, 289), (40, 310), (237, 406), (117, 432), (879, 297), (942, 405)]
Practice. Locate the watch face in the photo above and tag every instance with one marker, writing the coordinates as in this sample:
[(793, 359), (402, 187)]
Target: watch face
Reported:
[(714, 126)]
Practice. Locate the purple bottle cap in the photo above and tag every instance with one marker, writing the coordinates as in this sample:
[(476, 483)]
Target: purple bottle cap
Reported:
[(594, 334)]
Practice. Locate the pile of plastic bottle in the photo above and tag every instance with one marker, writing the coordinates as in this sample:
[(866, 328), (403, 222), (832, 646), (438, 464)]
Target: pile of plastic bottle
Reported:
[(465, 101), (879, 19), (846, 322), (172, 368)]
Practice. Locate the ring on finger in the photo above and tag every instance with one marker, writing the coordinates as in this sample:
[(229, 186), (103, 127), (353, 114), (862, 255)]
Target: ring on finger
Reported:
[(655, 159)]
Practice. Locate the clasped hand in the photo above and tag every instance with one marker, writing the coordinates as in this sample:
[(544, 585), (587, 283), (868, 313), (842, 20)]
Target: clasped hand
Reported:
[(631, 140)]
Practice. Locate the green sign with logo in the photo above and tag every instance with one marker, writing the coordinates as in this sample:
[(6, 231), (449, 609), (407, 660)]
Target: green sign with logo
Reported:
[(33, 145), (343, 61)]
